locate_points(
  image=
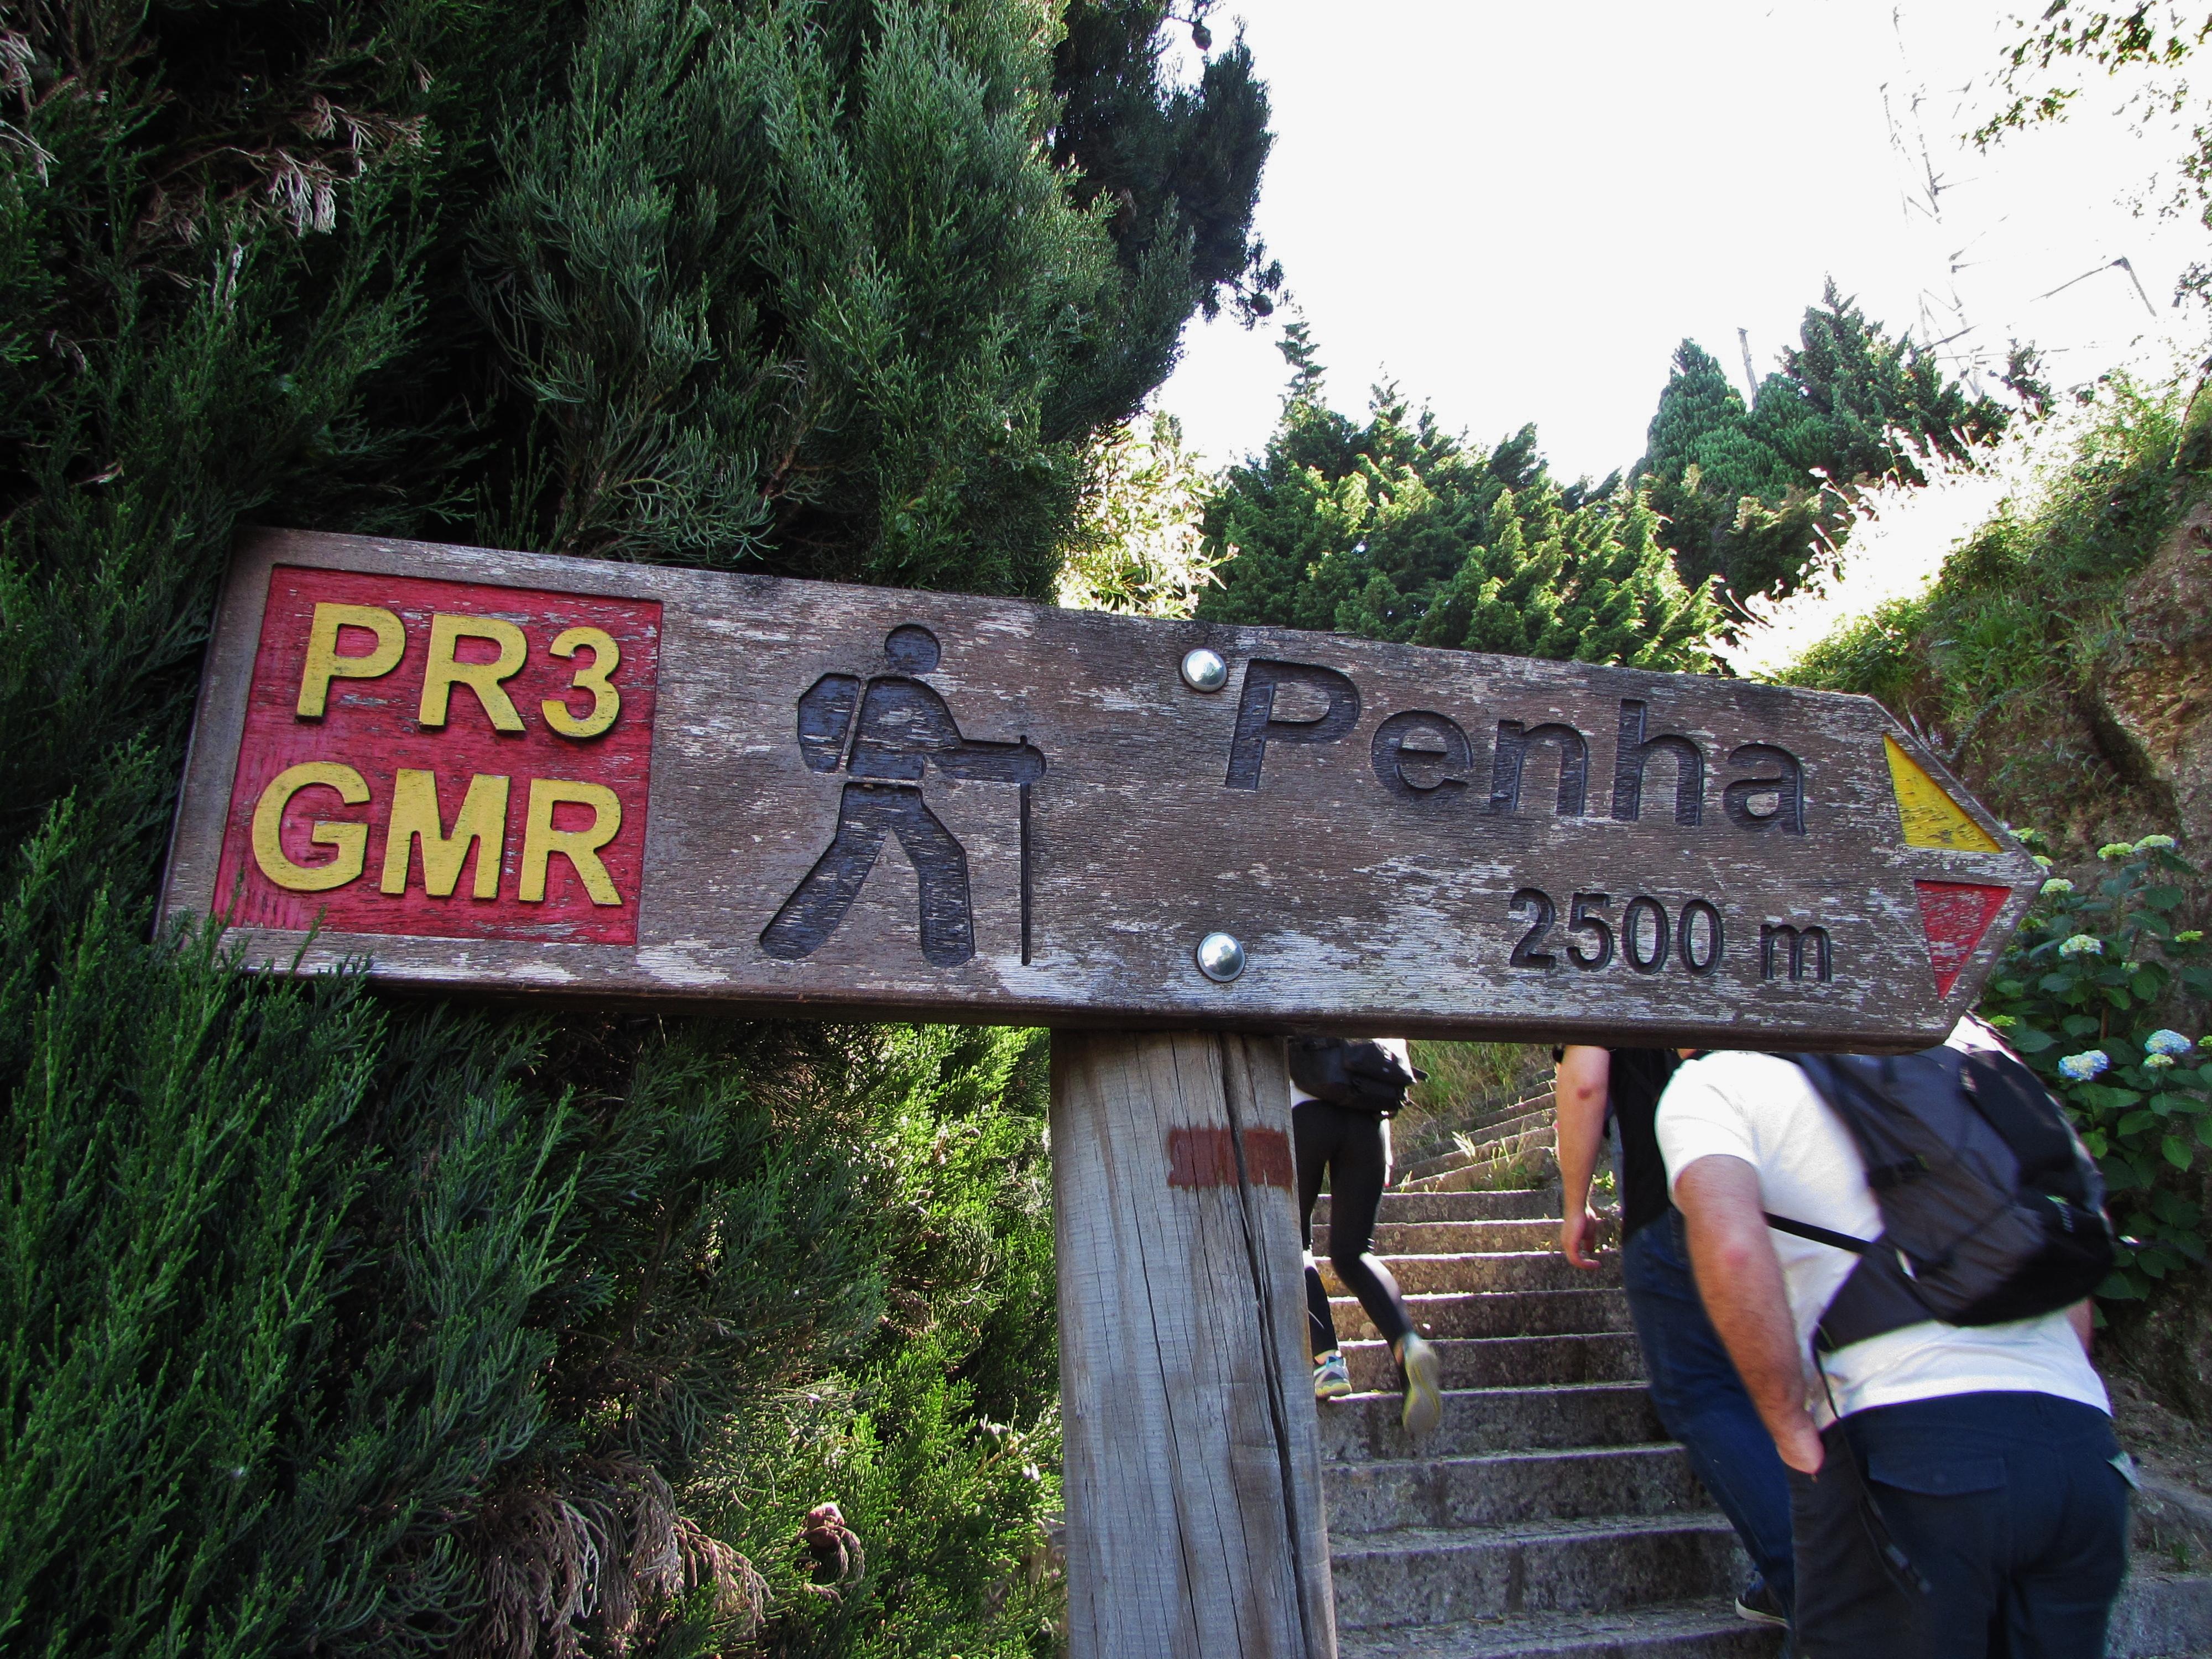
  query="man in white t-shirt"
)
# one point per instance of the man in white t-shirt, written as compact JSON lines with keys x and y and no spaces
{"x":1983,"y":1457}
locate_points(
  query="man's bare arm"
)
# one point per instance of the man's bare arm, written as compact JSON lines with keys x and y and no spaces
{"x":1740,"y":1279}
{"x":1579,"y":1087}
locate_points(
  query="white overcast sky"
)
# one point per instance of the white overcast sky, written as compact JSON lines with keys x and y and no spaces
{"x":1517,"y":211}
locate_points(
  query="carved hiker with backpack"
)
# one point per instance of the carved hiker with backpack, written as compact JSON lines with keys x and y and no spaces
{"x":1343,"y":1094}
{"x":1897,"y":1253}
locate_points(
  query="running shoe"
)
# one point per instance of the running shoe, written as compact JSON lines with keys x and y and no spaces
{"x":1424,"y":1400}
{"x":1760,"y":1604}
{"x":1331,"y":1380}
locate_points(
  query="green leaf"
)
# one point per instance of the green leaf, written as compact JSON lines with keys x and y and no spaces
{"x":2029,"y":1041}
{"x":2078,"y":1025}
{"x":2057,"y":984}
{"x":2163,"y":897}
{"x":2147,"y":984}
{"x":2178,"y":1152}
{"x":2204,"y":1130}
{"x":2118,"y":1288}
{"x":2136,"y":1122}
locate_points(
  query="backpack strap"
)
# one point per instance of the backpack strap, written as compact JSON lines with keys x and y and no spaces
{"x":1820,"y":1235}
{"x":1878,"y":1297}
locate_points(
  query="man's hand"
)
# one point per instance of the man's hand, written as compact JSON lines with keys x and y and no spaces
{"x":1799,"y":1441}
{"x":1578,"y":1232}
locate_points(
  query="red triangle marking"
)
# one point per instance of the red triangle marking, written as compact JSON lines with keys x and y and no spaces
{"x":1954,"y":916}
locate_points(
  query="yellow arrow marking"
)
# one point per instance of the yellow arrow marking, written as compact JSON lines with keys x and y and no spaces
{"x":1931,"y":818}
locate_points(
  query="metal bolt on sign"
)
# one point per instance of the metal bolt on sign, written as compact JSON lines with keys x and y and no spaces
{"x":1220,"y":957}
{"x":1204,"y":670}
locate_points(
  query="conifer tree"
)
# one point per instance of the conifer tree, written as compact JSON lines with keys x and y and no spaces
{"x":1396,"y":530}
{"x":348,"y":1326}
{"x":1749,"y":494}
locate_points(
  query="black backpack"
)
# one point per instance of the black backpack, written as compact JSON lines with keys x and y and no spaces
{"x":1992,"y":1208}
{"x":1357,"y":1073}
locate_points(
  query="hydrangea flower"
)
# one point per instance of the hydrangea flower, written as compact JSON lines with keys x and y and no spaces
{"x":2115,"y":849}
{"x":2082,"y":944}
{"x":2158,"y":1063}
{"x":2189,"y":936}
{"x":2082,"y":1066}
{"x":2040,"y":859}
{"x":2057,"y":884}
{"x":2168,"y":1042}
{"x":2162,"y":843}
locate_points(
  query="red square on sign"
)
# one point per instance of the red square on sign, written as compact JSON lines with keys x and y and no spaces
{"x":444,"y":758}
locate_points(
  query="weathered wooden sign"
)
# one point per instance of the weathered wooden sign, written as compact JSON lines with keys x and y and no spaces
{"x":589,"y":779}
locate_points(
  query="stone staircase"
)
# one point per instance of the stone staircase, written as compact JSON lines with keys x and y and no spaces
{"x":1548,"y":1518}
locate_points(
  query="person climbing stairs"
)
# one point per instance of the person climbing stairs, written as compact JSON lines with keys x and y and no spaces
{"x":1548,"y":1516}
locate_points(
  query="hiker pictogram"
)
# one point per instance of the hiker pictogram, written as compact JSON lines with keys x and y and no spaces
{"x":903,"y":729}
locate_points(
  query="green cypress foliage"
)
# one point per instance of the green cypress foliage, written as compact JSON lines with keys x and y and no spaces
{"x":1749,"y":494}
{"x":341,"y":1326}
{"x":1396,"y":530}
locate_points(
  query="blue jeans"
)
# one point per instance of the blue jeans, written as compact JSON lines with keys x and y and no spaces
{"x":2007,"y":1504}
{"x":1701,"y":1400}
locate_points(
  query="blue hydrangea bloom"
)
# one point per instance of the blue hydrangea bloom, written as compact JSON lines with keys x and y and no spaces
{"x":2082,"y":944}
{"x":2057,"y":884}
{"x":2083,"y":1066}
{"x":2167,"y":1042}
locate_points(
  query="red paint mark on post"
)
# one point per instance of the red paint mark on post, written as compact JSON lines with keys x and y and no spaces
{"x":1207,"y":1157}
{"x":449,"y":759}
{"x":1955,"y":915}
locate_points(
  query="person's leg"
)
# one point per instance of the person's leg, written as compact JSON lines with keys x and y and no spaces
{"x":1358,"y":1169}
{"x":940,"y":868}
{"x":2071,"y":1527}
{"x":817,"y":905}
{"x":1847,"y":1605}
{"x":1358,"y":1173}
{"x":1313,"y":1138}
{"x":1702,"y":1403}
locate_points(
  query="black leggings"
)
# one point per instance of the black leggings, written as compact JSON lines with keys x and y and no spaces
{"x":1348,"y":1146}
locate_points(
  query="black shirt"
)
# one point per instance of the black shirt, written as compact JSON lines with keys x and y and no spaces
{"x":1637,"y":1079}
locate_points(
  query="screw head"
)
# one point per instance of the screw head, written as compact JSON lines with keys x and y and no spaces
{"x":1204,"y":670}
{"x":1220,"y":957}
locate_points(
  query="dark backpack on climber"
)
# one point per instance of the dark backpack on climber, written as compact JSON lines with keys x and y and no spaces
{"x":1992,"y":1208}
{"x":1358,"y":1074}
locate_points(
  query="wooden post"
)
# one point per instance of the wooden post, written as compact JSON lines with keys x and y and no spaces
{"x":1193,"y":1476}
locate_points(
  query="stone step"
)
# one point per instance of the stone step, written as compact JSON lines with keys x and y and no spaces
{"x":1506,"y":1489}
{"x":1429,"y":1576}
{"x":1364,"y":1427}
{"x":1503,"y":1204}
{"x":1526,"y":1160}
{"x":1495,"y":1313}
{"x":1674,"y":1630}
{"x":1506,"y":1110}
{"x":1448,"y":1238}
{"x":2162,"y":1615}
{"x":1513,"y":1270}
{"x":1507,"y":1128}
{"x":1504,"y":1362}
{"x":1476,"y":1145}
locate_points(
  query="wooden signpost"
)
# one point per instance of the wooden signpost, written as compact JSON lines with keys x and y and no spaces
{"x":576,"y":779}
